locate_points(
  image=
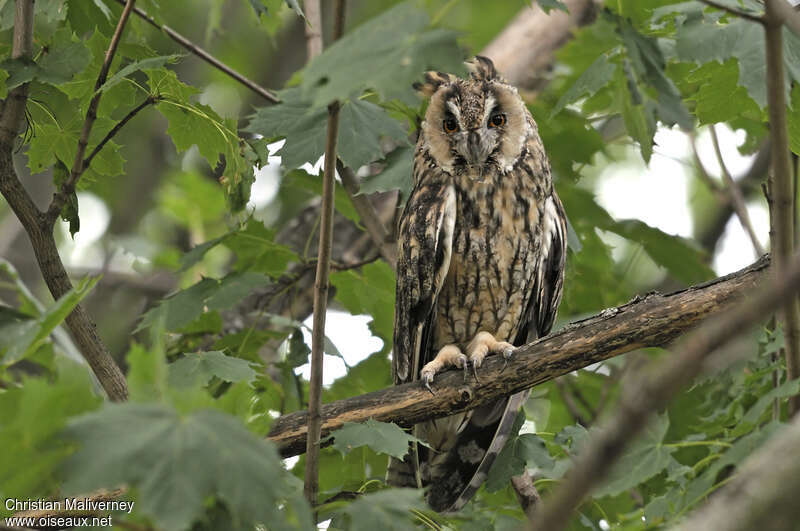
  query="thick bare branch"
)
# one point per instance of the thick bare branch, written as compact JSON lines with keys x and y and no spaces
{"x":782,"y":186}
{"x":649,"y":393}
{"x":650,"y":321}
{"x":763,"y":495}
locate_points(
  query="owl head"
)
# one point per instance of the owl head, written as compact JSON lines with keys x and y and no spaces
{"x":476,"y":126}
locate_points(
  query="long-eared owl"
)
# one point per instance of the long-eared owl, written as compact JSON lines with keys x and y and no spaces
{"x":482,"y":245}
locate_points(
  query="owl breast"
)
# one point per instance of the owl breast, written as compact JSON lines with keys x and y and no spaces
{"x":494,"y":255}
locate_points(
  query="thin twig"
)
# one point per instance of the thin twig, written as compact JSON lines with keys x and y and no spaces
{"x":782,"y":187}
{"x":702,"y":172}
{"x":13,"y":108}
{"x":737,"y":199}
{"x":321,"y":285}
{"x":649,"y":394}
{"x":68,"y":187}
{"x":205,"y":56}
{"x":152,"y":99}
{"x":732,"y":11}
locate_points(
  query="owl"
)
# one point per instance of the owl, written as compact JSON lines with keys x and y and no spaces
{"x":482,"y":246}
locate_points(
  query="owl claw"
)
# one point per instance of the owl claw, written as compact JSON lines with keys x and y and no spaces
{"x":427,"y":379}
{"x":507,"y":353}
{"x":475,"y":372}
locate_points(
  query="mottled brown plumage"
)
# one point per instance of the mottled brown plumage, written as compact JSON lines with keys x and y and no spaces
{"x":482,"y":245}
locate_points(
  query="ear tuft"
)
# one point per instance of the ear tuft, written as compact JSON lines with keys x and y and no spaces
{"x":482,"y":69}
{"x":433,"y":80}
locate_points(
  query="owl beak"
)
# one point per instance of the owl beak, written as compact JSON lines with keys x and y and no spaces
{"x":478,"y":148}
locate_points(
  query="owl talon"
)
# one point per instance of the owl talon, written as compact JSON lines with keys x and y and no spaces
{"x":508,"y":352}
{"x":475,"y":372}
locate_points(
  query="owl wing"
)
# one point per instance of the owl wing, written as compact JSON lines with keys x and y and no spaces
{"x":425,"y":246}
{"x":549,"y":281}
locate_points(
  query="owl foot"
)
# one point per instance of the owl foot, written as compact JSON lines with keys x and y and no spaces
{"x":481,"y":345}
{"x":448,"y":355}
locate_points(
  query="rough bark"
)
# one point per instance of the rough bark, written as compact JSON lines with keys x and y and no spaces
{"x":644,"y":322}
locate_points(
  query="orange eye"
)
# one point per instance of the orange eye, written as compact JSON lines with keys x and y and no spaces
{"x":450,"y":125}
{"x":498,"y":120}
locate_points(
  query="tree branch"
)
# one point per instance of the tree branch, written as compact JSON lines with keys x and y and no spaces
{"x":788,"y":15}
{"x":150,"y":100}
{"x":369,"y":216}
{"x":650,"y":321}
{"x":763,"y":495}
{"x":205,"y":56}
{"x":322,"y":280}
{"x":735,"y":193}
{"x":35,"y":222}
{"x":651,"y":393}
{"x":732,"y":11}
{"x":68,"y":187}
{"x":782,"y":187}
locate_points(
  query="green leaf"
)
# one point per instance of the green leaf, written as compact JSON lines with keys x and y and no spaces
{"x":638,"y":115}
{"x":705,"y":41}
{"x":200,"y":367}
{"x":33,"y":415}
{"x":677,"y":255}
{"x":64,"y":59}
{"x":718,"y":99}
{"x":597,"y":76}
{"x":396,"y":175}
{"x":387,"y":509}
{"x":643,"y":459}
{"x":361,"y":126}
{"x":370,"y":292}
{"x":312,"y":185}
{"x":182,"y":308}
{"x":256,"y":250}
{"x":549,"y":5}
{"x":176,"y":463}
{"x":649,"y":63}
{"x":382,"y":437}
{"x":144,"y":64}
{"x":22,"y":339}
{"x":754,"y":414}
{"x":386,"y":54}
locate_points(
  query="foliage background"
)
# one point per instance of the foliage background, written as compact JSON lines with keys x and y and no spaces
{"x":181,"y":241}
